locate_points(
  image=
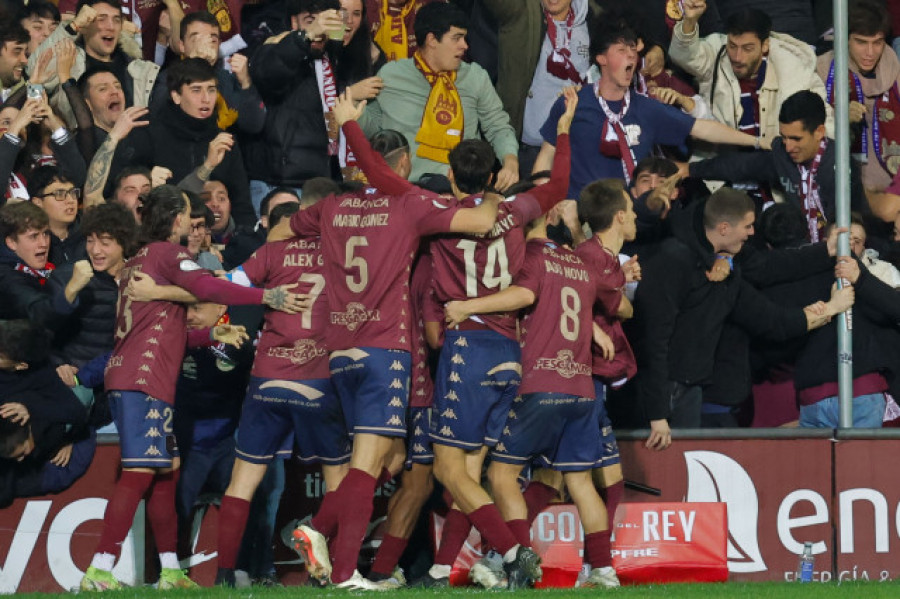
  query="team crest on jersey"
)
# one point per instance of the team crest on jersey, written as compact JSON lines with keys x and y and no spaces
{"x":189,"y":265}
{"x":564,"y":364}
{"x":355,"y":315}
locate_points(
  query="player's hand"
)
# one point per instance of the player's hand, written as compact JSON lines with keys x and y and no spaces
{"x":847,"y":268}
{"x":604,"y":342}
{"x":129,"y":119}
{"x":366,"y":89}
{"x":856,"y":111}
{"x":565,"y":120}
{"x":14,"y":412}
{"x":230,"y":334}
{"x":62,"y":457}
{"x":215,"y":154}
{"x":454,"y":313}
{"x":345,"y":109}
{"x":142,"y":288}
{"x":632,"y":269}
{"x":719,"y":271}
{"x":159,"y":175}
{"x":67,"y":374}
{"x":660,"y":435}
{"x":507,"y":175}
{"x":283,"y":299}
{"x":240,"y":66}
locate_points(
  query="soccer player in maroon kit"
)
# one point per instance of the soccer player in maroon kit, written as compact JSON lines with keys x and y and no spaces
{"x":291,"y":397}
{"x":555,"y":416}
{"x":478,"y":372}
{"x":369,"y":240}
{"x":141,"y":376}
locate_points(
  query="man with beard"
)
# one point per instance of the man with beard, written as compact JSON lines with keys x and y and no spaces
{"x":295,"y":77}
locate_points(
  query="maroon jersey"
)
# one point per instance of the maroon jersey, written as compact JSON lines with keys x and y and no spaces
{"x":477,"y":265}
{"x":556,"y":331}
{"x":421,"y":385}
{"x":369,"y":240}
{"x":151,"y":336}
{"x":612,"y":290}
{"x":292,"y":346}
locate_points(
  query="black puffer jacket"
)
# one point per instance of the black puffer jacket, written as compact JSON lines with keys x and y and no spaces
{"x":89,"y":325}
{"x":293,"y":145}
{"x":22,"y":295}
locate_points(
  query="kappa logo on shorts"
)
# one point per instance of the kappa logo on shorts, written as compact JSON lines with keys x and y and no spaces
{"x":144,"y":368}
{"x":149,"y":355}
{"x":394,"y":421}
{"x":418,"y":448}
{"x":449,"y":414}
{"x":152,"y":450}
{"x":457,"y":359}
{"x":511,"y":415}
{"x":418,"y":430}
{"x":396,"y":402}
{"x":446,"y":431}
{"x":355,"y":315}
{"x":152,"y":414}
{"x":501,"y":447}
{"x":506,"y":430}
{"x":451,"y":395}
{"x":564,"y":364}
{"x":397,"y":365}
{"x":461,"y":342}
{"x":454,"y":377}
{"x":153,"y":432}
{"x":141,"y":382}
{"x":395,"y":384}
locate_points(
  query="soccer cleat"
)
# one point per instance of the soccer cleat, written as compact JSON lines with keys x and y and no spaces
{"x":313,"y":548}
{"x":96,"y":579}
{"x":524,"y":570}
{"x":171,"y":579}
{"x":389,"y":582}
{"x":427,"y":581}
{"x":601,"y":578}
{"x":225,"y":578}
{"x":488,"y":572}
{"x":359,"y":583}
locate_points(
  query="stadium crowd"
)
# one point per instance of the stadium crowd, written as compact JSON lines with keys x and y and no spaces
{"x":427,"y":240}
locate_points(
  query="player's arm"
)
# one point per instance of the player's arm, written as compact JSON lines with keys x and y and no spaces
{"x":373,"y":165}
{"x":626,"y":309}
{"x":479,"y":220}
{"x":142,"y":288}
{"x":555,"y":189}
{"x":510,"y":299}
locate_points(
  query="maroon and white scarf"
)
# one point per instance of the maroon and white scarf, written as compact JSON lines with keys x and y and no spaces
{"x":328,"y":93}
{"x":812,"y":204}
{"x":559,"y":62}
{"x":613,"y":140}
{"x":39,"y":273}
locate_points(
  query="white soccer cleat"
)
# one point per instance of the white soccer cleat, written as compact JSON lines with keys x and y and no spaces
{"x":358,"y":582}
{"x":313,"y":548}
{"x":601,"y":578}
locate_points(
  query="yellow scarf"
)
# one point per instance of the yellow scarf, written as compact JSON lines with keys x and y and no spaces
{"x":392,"y":36}
{"x":225,"y":115}
{"x":442,"y":121}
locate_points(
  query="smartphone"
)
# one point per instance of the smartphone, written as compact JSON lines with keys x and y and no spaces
{"x":35,"y":90}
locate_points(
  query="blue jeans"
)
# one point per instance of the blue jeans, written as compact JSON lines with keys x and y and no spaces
{"x":868,"y":412}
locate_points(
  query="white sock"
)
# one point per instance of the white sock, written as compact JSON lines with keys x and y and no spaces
{"x":169,"y":561}
{"x":510,"y":556}
{"x":104,"y":561}
{"x":440,"y":571}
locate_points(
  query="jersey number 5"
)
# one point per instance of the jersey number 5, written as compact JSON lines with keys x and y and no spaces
{"x":358,"y":262}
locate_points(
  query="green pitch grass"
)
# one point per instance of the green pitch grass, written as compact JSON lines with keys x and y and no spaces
{"x":677,"y":591}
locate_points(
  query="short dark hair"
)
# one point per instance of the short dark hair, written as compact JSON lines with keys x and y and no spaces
{"x":85,"y":79}
{"x":12,"y":435}
{"x":600,"y":201}
{"x":128,"y":171}
{"x":114,"y":220}
{"x":314,"y":190}
{"x":112,"y":3}
{"x":187,"y":71}
{"x":868,"y":17}
{"x":804,"y":106}
{"x":295,"y":7}
{"x":437,"y":18}
{"x":199,"y":16}
{"x":726,"y":205}
{"x":282,"y":211}
{"x":43,"y":177}
{"x":390,"y":144}
{"x":14,"y":32}
{"x":783,"y":225}
{"x":655,"y":166}
{"x":19,"y":217}
{"x":749,"y":20}
{"x":200,"y":210}
{"x":158,"y":213}
{"x":608,"y":32}
{"x":41,"y":9}
{"x":24,"y":341}
{"x":472,"y":161}
{"x":282,"y":189}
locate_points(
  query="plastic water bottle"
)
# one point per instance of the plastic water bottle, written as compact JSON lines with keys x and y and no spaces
{"x":807,"y":562}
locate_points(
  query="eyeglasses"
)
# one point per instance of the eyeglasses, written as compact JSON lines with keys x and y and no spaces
{"x":60,"y":194}
{"x":198,"y":227}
